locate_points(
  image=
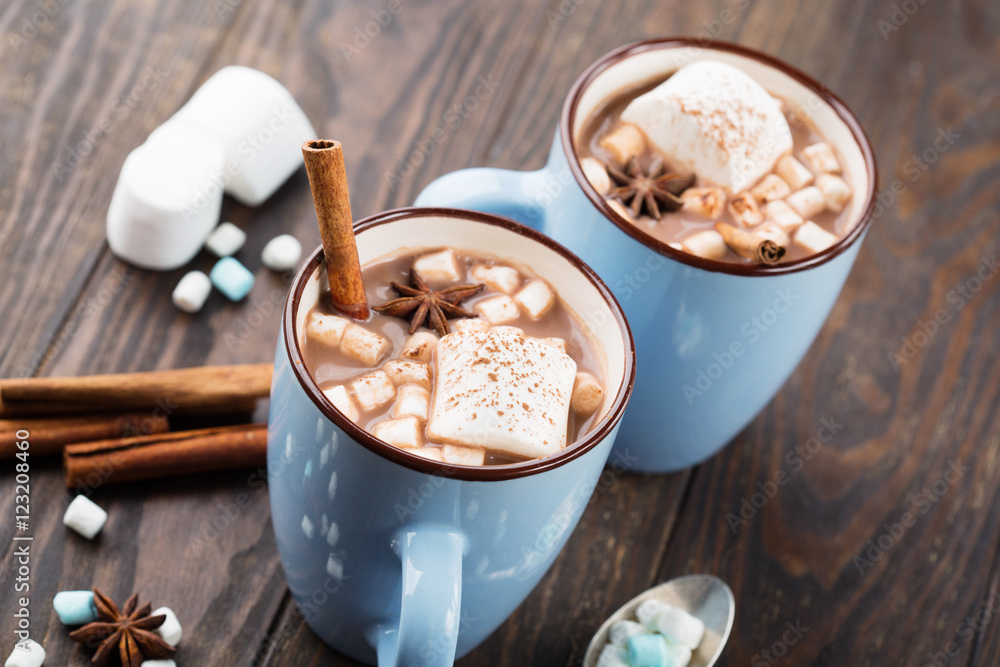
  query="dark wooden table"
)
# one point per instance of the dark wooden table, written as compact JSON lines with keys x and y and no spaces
{"x":83,"y":82}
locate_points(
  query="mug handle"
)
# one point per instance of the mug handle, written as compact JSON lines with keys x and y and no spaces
{"x":522,"y":195}
{"x":427,"y":633}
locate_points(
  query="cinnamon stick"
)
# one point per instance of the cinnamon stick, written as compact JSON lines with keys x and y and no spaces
{"x":763,"y":248}
{"x":49,"y":436}
{"x":158,"y":456}
{"x":204,"y":390}
{"x":328,"y":181}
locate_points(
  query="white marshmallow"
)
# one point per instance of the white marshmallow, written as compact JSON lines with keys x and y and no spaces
{"x":596,"y":174}
{"x":770,"y":188}
{"x":500,"y":390}
{"x":26,"y":654}
{"x":783,"y":215}
{"x":342,"y":401}
{"x":158,"y":663}
{"x":821,"y":158}
{"x":373,"y":390}
{"x":501,"y":278}
{"x":420,"y":346}
{"x":167,"y":199}
{"x":281,"y":253}
{"x":327,"y":329}
{"x":85,"y":517}
{"x":463,"y":456}
{"x":623,"y":142}
{"x":260,"y":126}
{"x":709,"y":202}
{"x":620,"y":209}
{"x":430,"y":452}
{"x":745,"y":210}
{"x":647,"y":611}
{"x":612,"y":656}
{"x":680,"y":627}
{"x":835,"y":191}
{"x":192,"y":291}
{"x":793,"y":172}
{"x":366,"y":346}
{"x":713,"y":119}
{"x":225,"y":240}
{"x":438,"y":267}
{"x":171,"y":630}
{"x":405,"y":371}
{"x":404,"y":432}
{"x":553,"y":341}
{"x":708,"y":244}
{"x":621,"y":631}
{"x":468,"y":324}
{"x":587,"y":394}
{"x":813,"y":238}
{"x":412,"y":401}
{"x":498,"y":309}
{"x":535,"y":298}
{"x":807,"y":202}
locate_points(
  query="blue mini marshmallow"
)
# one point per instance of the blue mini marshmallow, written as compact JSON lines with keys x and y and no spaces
{"x":231,"y":278}
{"x":648,"y":651}
{"x":75,"y":607}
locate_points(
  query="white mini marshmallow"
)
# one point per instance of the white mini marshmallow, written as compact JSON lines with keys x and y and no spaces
{"x":588,"y":394}
{"x":498,"y":309}
{"x":501,"y":278}
{"x":342,"y":401}
{"x":708,"y":202}
{"x":192,"y":291}
{"x":171,"y":630}
{"x":620,"y":209}
{"x":597,"y":175}
{"x":708,"y":244}
{"x":536,"y":298}
{"x":821,"y":158}
{"x":85,"y":517}
{"x":500,"y":390}
{"x":745,"y":210}
{"x":430,"y":452}
{"x":420,"y":346}
{"x":770,"y":188}
{"x":366,"y":346}
{"x":612,"y":656}
{"x":412,"y":401}
{"x":793,"y":172}
{"x":784,"y":215}
{"x":807,"y":202}
{"x":403,"y":432}
{"x":468,"y":324}
{"x":260,"y":126}
{"x":225,"y":240}
{"x":680,"y":627}
{"x":647,"y":611}
{"x":623,"y":142}
{"x":713,"y":119}
{"x":327,"y":329}
{"x":438,"y":267}
{"x":813,"y":238}
{"x":374,"y":390}
{"x":158,"y":663}
{"x":835,"y":191}
{"x":406,"y":371}
{"x":463,"y":456}
{"x":281,"y":253}
{"x":621,"y":631}
{"x":26,"y":654}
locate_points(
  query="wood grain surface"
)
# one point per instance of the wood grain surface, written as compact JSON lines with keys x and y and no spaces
{"x":873,"y":425}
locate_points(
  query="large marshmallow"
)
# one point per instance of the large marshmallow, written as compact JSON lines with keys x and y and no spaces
{"x":716,"y":121}
{"x":500,"y":390}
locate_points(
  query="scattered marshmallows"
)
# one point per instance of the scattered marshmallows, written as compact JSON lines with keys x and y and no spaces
{"x":28,"y":653}
{"x":171,"y":630}
{"x":661,"y":636}
{"x":192,"y":292}
{"x":85,"y":517}
{"x":225,"y":240}
{"x":281,"y":253}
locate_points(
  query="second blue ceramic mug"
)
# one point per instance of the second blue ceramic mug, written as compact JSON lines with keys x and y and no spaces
{"x":715,"y":340}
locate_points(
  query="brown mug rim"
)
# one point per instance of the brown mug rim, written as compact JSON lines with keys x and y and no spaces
{"x":568,"y":116}
{"x":574,"y":450}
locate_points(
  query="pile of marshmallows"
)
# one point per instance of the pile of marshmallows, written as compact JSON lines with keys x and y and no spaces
{"x":240,"y":134}
{"x":661,"y":636}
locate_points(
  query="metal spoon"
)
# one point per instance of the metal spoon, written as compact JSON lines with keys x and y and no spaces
{"x":701,"y":595}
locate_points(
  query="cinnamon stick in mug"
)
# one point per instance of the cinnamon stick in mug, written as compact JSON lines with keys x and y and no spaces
{"x":764,"y":246}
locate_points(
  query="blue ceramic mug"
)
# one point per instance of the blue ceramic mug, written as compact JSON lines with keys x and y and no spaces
{"x":400,"y":559}
{"x":715,"y":340}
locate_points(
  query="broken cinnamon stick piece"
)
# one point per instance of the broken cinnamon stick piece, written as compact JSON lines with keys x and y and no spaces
{"x":50,"y":435}
{"x":761,"y":248}
{"x":328,"y":181}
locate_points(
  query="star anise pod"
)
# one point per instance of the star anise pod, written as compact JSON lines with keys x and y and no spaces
{"x":656,"y":189}
{"x":420,"y":303}
{"x":128,"y":629}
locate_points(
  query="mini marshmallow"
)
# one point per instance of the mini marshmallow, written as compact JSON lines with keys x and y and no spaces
{"x":612,"y":656}
{"x":171,"y":630}
{"x":501,"y":278}
{"x":412,"y":401}
{"x":807,"y":202}
{"x":75,"y":607}
{"x":821,"y":158}
{"x":770,"y":188}
{"x":231,"y":278}
{"x":468,"y":324}
{"x":328,"y":329}
{"x":225,"y":240}
{"x":430,"y":452}
{"x":596,"y":174}
{"x":708,"y":244}
{"x":623,"y":142}
{"x":536,"y":298}
{"x":363,"y":345}
{"x":553,"y":341}
{"x":342,"y":401}
{"x":463,"y":456}
{"x":648,"y":651}
{"x":622,"y":630}
{"x":647,"y":611}
{"x":498,"y":309}
{"x":404,"y":371}
{"x":680,"y":627}
{"x":620,"y":209}
{"x":374,"y":390}
{"x":158,"y":663}
{"x":85,"y":517}
{"x":784,"y":215}
{"x":813,"y":238}
{"x":191,"y":292}
{"x":835,"y":191}
{"x":745,"y":210}
{"x":26,"y":654}
{"x":709,"y":202}
{"x":281,"y":253}
{"x":438,"y":267}
{"x":587,"y":394}
{"x":404,"y":432}
{"x":420,"y":346}
{"x":793,"y":172}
